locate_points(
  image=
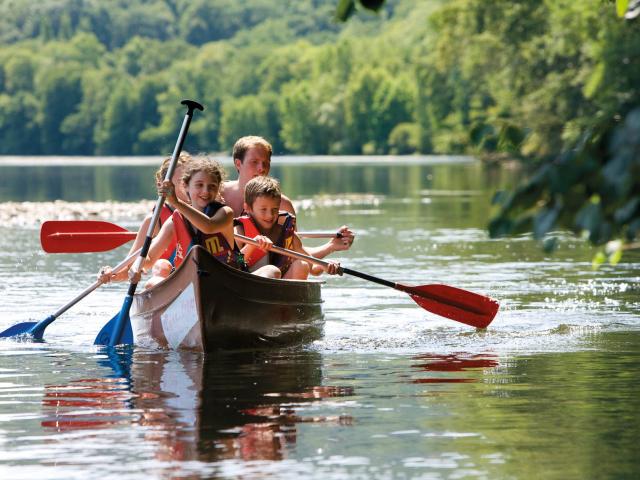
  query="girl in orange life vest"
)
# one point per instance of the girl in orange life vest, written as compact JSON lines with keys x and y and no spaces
{"x":266,"y":224}
{"x":106,"y":274}
{"x":204,"y":221}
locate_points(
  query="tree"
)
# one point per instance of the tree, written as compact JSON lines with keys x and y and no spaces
{"x":19,"y":72}
{"x":242,"y":116}
{"x":19,"y":131}
{"x":59,"y":93}
{"x":119,"y":129}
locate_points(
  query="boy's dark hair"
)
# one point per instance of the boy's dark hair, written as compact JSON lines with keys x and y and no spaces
{"x":245,"y":143}
{"x":261,"y":187}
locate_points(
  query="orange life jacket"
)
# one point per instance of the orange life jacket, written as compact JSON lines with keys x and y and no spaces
{"x":165,"y":214}
{"x":285,"y":241}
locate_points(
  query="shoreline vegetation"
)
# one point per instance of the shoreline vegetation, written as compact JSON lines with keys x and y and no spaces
{"x":457,"y":77}
{"x":551,"y":83}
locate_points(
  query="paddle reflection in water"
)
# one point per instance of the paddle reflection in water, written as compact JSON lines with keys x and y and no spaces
{"x":231,"y":405}
{"x":454,"y":362}
{"x":92,"y":402}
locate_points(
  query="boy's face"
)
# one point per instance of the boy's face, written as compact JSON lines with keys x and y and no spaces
{"x":256,"y":163}
{"x":264,"y":211}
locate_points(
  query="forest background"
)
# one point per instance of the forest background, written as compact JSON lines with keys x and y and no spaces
{"x":554,"y":83}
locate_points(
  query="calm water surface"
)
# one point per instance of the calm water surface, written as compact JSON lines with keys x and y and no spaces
{"x":549,"y":390}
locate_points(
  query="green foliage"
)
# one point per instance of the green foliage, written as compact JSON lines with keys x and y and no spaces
{"x":404,"y":139}
{"x":552,"y":83}
{"x":346,"y":8}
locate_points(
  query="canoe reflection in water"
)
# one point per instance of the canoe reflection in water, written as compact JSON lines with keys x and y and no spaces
{"x":231,"y":405}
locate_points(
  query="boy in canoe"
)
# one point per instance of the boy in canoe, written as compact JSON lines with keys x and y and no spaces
{"x":252,"y":158}
{"x":106,"y":273}
{"x":266,"y":223}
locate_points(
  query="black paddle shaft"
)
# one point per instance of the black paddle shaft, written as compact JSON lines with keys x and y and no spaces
{"x":371,"y":278}
{"x":191,"y":106}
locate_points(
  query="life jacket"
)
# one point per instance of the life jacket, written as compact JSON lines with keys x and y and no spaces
{"x":285,"y":241}
{"x":187,"y":236}
{"x":165,"y":214}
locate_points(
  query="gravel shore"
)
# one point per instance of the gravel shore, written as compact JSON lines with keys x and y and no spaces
{"x":33,"y":214}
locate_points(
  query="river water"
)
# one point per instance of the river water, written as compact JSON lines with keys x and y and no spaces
{"x":549,"y":390}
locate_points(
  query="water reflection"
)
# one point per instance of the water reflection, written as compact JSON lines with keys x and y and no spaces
{"x":231,"y":405}
{"x":453,"y":362}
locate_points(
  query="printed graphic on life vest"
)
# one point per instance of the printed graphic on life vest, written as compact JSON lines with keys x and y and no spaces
{"x":213,"y":245}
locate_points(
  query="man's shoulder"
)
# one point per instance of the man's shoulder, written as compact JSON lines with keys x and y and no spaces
{"x":287,"y":205}
{"x":231,"y":185}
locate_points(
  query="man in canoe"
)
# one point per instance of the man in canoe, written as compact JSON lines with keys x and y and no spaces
{"x":252,"y":158}
{"x":266,"y":223}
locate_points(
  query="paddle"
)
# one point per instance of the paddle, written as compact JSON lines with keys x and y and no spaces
{"x":76,"y":236}
{"x":449,"y":302}
{"x":36,"y":329}
{"x":119,"y":333}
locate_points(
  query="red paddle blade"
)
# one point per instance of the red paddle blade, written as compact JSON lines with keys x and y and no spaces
{"x":454,"y":303}
{"x":77,"y":236}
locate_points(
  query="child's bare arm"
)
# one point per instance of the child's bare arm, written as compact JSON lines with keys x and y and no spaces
{"x":160,"y":243}
{"x":221,"y":220}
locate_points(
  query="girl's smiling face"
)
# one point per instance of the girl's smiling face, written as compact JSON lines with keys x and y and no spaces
{"x":202,"y":190}
{"x":264,"y":211}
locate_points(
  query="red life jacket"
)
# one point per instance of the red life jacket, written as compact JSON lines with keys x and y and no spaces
{"x":285,"y":241}
{"x":165,"y":214}
{"x":216,"y":244}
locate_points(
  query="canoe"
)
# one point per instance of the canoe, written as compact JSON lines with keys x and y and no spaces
{"x":206,"y":305}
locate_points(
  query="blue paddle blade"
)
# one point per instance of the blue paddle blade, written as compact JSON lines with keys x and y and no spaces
{"x":118,"y":330}
{"x":38,"y":330}
{"x":23,"y":328}
{"x":104,"y":337}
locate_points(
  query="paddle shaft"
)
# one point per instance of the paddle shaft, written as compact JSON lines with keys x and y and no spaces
{"x":78,"y":236}
{"x":96,"y":284}
{"x":123,"y":318}
{"x":439,"y":296}
{"x":36,"y":329}
{"x":320,"y":234}
{"x":317,"y":261}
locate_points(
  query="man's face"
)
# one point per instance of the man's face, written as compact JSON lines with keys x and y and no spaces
{"x":256,"y":163}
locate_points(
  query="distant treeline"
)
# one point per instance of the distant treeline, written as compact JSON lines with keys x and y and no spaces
{"x":105,"y":77}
